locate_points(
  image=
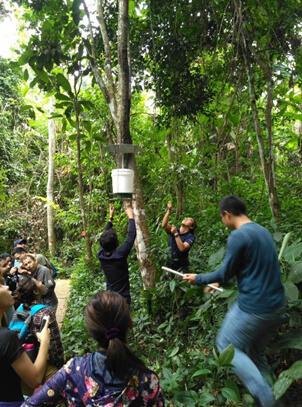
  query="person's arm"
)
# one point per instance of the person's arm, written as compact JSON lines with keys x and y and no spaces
{"x":230,"y":266}
{"x":46,"y":278}
{"x":33,"y":373}
{"x":165,"y":225}
{"x":182,"y":246}
{"x":51,"y":392}
{"x":110,"y":220}
{"x":125,"y":248}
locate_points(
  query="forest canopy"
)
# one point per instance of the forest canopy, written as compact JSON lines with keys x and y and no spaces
{"x":211,"y":93}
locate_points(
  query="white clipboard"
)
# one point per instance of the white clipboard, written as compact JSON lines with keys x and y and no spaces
{"x":181,"y":274}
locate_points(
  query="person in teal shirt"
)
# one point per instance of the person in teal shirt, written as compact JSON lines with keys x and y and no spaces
{"x":251,"y":257}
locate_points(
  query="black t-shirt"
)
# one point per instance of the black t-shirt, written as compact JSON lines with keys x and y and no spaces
{"x":115,"y":264}
{"x":10,"y":350}
{"x":180,"y":259}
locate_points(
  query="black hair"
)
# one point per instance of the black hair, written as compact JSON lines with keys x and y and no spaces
{"x":108,"y":312}
{"x":29,"y":256}
{"x":232,"y":204}
{"x":25,"y":292}
{"x":109,"y":240}
{"x":194,"y":226}
{"x":19,"y":250}
{"x":4,"y":256}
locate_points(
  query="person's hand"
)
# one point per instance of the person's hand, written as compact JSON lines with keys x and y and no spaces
{"x":111,"y":211}
{"x":169,"y":205}
{"x":24,"y":271}
{"x":211,"y":290}
{"x":129,"y":211}
{"x":174,"y":229}
{"x":190,"y":278}
{"x":44,"y":335}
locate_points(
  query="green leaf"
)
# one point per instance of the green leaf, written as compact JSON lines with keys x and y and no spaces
{"x":295,"y":274}
{"x":230,"y":394}
{"x":226,"y":356}
{"x":61,"y":96}
{"x":217,"y":257}
{"x":24,"y":58}
{"x":292,"y":252}
{"x":25,"y":75}
{"x":205,"y":399}
{"x":173,"y":352}
{"x":284,"y":244}
{"x":62,"y":81}
{"x":43,"y":76}
{"x":201,"y":372}
{"x":291,"y":291}
{"x":287,"y":377}
{"x":187,"y":398}
{"x":277,"y":236}
{"x":172,"y":285}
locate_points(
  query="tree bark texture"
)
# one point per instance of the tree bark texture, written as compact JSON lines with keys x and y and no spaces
{"x":50,"y":182}
{"x":119,"y":102}
{"x":266,"y":155}
{"x":80,"y":179}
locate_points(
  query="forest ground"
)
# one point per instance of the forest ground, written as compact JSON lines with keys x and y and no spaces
{"x":62,"y":291}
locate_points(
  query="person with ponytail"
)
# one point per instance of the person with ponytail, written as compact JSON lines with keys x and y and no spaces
{"x":29,"y":294}
{"x":112,"y":376}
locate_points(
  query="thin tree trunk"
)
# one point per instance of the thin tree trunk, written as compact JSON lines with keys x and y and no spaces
{"x":119,"y":102}
{"x":80,"y":177}
{"x":50,"y":183}
{"x":266,"y":162}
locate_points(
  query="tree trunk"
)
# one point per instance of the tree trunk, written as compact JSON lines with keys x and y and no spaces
{"x":50,"y":183}
{"x":119,"y":102}
{"x":267,"y":161}
{"x":80,"y":177}
{"x":177,"y":178}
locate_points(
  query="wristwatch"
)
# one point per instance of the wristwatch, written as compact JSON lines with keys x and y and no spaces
{"x":111,"y":218}
{"x":176,"y":234}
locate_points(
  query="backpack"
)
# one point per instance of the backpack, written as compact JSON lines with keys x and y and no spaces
{"x":52,"y":268}
{"x":21,"y":323}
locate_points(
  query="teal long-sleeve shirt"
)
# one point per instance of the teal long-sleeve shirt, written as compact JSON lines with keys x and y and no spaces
{"x":251,"y":257}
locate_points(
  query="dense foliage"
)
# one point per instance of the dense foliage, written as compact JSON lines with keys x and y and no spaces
{"x":192,"y":115}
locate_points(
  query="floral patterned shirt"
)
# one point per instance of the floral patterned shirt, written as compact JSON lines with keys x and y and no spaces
{"x":81,"y":386}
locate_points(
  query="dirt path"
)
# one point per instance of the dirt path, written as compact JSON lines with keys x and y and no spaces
{"x":62,"y":291}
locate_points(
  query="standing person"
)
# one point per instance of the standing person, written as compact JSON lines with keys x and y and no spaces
{"x":113,"y":258}
{"x":31,"y":267}
{"x":111,"y":376}
{"x":181,"y":240}
{"x":14,"y":362}
{"x":251,"y":257}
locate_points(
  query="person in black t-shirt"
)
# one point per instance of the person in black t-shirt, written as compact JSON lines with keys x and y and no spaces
{"x":14,"y":361}
{"x":181,"y":240}
{"x":114,"y":259}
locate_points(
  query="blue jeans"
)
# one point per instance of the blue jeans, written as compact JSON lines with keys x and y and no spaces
{"x":250,"y":333}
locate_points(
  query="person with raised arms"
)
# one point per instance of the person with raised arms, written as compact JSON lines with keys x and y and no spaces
{"x":181,"y":240}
